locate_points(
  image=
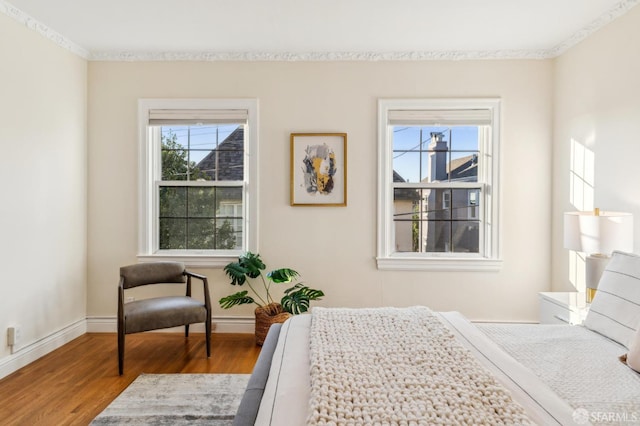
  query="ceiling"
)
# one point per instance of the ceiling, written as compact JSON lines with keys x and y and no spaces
{"x":298,"y":29}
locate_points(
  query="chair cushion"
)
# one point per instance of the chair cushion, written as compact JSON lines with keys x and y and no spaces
{"x":152,"y":273}
{"x":162,"y":312}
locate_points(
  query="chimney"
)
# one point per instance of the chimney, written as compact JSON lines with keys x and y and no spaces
{"x":438,"y":157}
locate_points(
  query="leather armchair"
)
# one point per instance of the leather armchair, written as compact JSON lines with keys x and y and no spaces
{"x":160,"y":312}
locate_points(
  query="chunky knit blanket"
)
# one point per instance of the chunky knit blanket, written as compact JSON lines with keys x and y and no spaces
{"x":393,"y":366}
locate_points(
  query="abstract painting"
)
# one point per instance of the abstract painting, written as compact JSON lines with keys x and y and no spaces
{"x":318,"y":169}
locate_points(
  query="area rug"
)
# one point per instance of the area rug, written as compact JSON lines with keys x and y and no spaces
{"x":177,"y":399}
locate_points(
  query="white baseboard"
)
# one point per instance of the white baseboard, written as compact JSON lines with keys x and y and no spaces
{"x":222,"y":324}
{"x":27,"y":354}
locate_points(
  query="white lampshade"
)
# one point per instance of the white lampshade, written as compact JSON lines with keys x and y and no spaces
{"x":602,"y":234}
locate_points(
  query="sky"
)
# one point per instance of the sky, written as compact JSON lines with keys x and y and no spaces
{"x":462,"y":141}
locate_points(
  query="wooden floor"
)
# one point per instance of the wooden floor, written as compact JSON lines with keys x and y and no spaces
{"x":73,"y":384}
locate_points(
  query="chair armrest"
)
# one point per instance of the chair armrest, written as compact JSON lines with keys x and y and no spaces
{"x":205,"y":285}
{"x":194,"y":275}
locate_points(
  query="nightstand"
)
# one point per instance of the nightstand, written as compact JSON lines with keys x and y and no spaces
{"x":562,"y":307}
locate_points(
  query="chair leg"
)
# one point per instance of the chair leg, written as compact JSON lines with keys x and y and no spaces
{"x":120,"y":351}
{"x":207,"y":326}
{"x":186,"y":330}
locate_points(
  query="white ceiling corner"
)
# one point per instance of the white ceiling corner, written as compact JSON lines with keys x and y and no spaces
{"x":308,"y":30}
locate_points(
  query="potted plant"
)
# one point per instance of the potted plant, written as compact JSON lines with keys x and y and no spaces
{"x":295,"y":301}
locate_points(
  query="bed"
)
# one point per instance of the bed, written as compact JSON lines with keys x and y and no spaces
{"x":517,"y":373}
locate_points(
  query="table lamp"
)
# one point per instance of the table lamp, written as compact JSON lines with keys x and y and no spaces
{"x":597,"y":234}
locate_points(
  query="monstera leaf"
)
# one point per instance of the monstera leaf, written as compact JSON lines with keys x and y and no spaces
{"x":297,"y":298}
{"x":282,"y":275}
{"x":240,"y":298}
{"x":236,"y":272}
{"x":252,"y":264}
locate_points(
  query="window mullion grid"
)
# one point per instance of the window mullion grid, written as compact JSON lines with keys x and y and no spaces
{"x":450,"y":186}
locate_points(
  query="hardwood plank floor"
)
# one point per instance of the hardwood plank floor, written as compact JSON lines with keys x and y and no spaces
{"x":73,"y":384}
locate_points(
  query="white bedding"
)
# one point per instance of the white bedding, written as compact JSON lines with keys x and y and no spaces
{"x":581,"y":366}
{"x":285,"y":400}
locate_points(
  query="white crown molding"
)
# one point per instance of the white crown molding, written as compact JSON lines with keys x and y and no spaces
{"x":316,"y":56}
{"x":618,"y":10}
{"x":42,"y":29}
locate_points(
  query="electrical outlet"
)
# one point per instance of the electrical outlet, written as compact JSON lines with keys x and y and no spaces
{"x":14,"y":335}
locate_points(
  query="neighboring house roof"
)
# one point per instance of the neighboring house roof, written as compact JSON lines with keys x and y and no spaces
{"x":463,"y":168}
{"x":230,"y":156}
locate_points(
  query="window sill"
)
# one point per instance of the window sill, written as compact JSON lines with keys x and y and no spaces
{"x":191,"y":260}
{"x":439,"y":264}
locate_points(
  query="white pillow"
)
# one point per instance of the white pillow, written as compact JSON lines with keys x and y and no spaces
{"x":615,"y":310}
{"x":633,"y":356}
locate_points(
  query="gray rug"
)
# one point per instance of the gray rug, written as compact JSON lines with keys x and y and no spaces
{"x":177,"y":399}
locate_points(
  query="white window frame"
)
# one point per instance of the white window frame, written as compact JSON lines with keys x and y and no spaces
{"x":148,"y":169}
{"x":489,"y":258}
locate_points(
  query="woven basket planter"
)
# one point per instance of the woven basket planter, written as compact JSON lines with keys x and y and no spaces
{"x":267,"y":315}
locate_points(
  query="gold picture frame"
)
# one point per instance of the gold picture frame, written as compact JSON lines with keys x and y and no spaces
{"x":319,"y":169}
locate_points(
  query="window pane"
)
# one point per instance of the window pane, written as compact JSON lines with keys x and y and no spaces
{"x":173,"y":201}
{"x":466,"y":237}
{"x":173,"y":234}
{"x":407,"y":233}
{"x":209,"y":152}
{"x":201,"y":234}
{"x":229,"y":234}
{"x":230,"y":218}
{"x":464,"y":138}
{"x":438,"y":236}
{"x":226,"y":197}
{"x":406,"y":138}
{"x":202,"y":202}
{"x":466,"y":203}
{"x":408,"y":166}
{"x":225,"y":161}
{"x":463,"y":167}
{"x":175,"y":162}
{"x":406,"y":219}
{"x":437,"y":204}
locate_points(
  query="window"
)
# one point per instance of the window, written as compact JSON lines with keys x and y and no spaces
{"x":198,"y":193}
{"x":438,"y":184}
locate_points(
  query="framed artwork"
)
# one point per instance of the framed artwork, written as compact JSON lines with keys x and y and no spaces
{"x":319,"y":169}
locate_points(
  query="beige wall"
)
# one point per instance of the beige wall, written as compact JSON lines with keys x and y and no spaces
{"x":43,"y":232}
{"x":333,"y":248}
{"x":597,"y":105}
